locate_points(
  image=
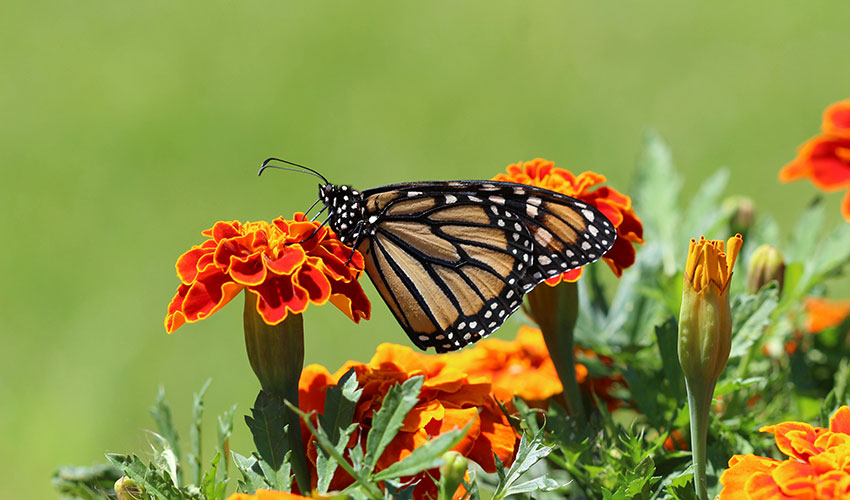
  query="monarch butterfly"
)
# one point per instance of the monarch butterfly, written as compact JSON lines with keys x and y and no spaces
{"x":453,"y":259}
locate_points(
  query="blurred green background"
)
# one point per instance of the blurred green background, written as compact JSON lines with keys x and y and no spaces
{"x":127,"y":128}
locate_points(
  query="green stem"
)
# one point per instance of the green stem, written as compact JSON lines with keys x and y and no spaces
{"x":555,"y":310}
{"x":276,"y":354}
{"x":700,"y":394}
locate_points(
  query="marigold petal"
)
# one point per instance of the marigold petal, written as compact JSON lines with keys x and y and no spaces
{"x":836,"y":119}
{"x":312,"y":386}
{"x":292,"y":257}
{"x":278,"y":296}
{"x":795,"y":479}
{"x":315,"y":283}
{"x":795,"y":439}
{"x":761,"y":486}
{"x":840,"y":421}
{"x":741,"y":468}
{"x":824,"y":313}
{"x":190,"y":263}
{"x":845,"y":206}
{"x":496,"y":438}
{"x":200,"y":299}
{"x":350,"y":298}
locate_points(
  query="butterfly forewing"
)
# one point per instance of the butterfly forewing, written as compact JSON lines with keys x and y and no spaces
{"x":454,"y":259}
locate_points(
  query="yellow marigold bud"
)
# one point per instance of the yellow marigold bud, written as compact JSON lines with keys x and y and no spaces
{"x":452,"y":473}
{"x":766,"y":265}
{"x":705,"y":335}
{"x":705,"y":321}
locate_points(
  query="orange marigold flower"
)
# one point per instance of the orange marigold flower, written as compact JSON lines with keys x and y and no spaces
{"x":450,"y":398}
{"x":823,"y":313}
{"x":523,"y":368}
{"x":266,"y":495}
{"x":277,"y":262}
{"x":818,"y":467}
{"x":616,"y":206}
{"x":825,"y":158}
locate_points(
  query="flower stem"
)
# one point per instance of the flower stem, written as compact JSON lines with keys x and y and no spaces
{"x":276,"y":354}
{"x":699,"y":406}
{"x":555,"y":310}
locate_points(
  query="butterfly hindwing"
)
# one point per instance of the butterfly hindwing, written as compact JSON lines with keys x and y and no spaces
{"x":454,"y":259}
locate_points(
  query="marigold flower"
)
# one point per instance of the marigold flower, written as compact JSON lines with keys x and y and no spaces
{"x":616,"y":206}
{"x":450,"y":398}
{"x":822,"y":313}
{"x":523,"y":368}
{"x":278,"y":261}
{"x":818,"y":465}
{"x":825,"y":158}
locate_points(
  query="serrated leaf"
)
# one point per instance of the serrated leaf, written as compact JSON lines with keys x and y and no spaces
{"x":528,"y":454}
{"x":655,"y":197}
{"x":161,"y":413}
{"x":750,"y":316}
{"x":400,"y":399}
{"x":340,"y":403}
{"x":267,"y":428}
{"x":88,"y":483}
{"x":251,"y":480}
{"x":155,"y":482}
{"x":279,"y":479}
{"x":543,"y":483}
{"x":425,"y":456}
{"x":193,"y":458}
{"x":211,"y":487}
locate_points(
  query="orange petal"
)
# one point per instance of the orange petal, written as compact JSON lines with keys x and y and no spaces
{"x":200,"y":299}
{"x":290,"y":259}
{"x":761,"y":486}
{"x":795,"y":439}
{"x":840,"y":421}
{"x":836,"y":119}
{"x":422,"y":414}
{"x":795,"y":479}
{"x":741,"y":469}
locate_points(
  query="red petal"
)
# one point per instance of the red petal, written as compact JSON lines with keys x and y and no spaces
{"x":315,"y":283}
{"x":836,"y":119}
{"x":292,"y":257}
{"x":277,"y":295}
{"x":350,"y":298}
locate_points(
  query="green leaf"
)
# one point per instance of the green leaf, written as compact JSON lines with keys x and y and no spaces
{"x":251,"y":480}
{"x":161,"y":413}
{"x":279,"y":479}
{"x":211,"y":487}
{"x":194,"y":457}
{"x":702,"y":212}
{"x":225,"y":429}
{"x":542,"y":483}
{"x":750,"y":316}
{"x":400,"y":399}
{"x":267,"y":428}
{"x":88,"y":483}
{"x":528,"y":454}
{"x":424,"y":457}
{"x":154,"y":481}
{"x":728,"y":386}
{"x":340,"y":403}
{"x":655,"y":198}
{"x":804,"y":237}
{"x":667,"y":335}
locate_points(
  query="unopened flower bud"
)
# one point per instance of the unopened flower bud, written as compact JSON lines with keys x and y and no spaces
{"x":705,"y":336}
{"x":766,"y":265}
{"x":452,"y":473}
{"x":742,"y":213}
{"x":127,"y":489}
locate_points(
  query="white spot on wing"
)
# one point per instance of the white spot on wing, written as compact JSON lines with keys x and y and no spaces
{"x":451,"y":198}
{"x":588,"y":214}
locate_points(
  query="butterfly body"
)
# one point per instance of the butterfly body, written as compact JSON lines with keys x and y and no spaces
{"x":454,"y":259}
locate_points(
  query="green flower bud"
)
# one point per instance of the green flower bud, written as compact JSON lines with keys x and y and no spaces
{"x":705,"y":336}
{"x":452,"y":473}
{"x":766,"y":265}
{"x":127,"y":489}
{"x":742,"y":213}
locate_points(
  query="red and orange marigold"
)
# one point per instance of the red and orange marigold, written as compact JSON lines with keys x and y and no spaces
{"x":822,"y":313}
{"x":616,"y":206}
{"x":825,"y":158}
{"x":280,"y":262}
{"x":450,"y":398}
{"x":818,"y":467}
{"x":523,"y":368}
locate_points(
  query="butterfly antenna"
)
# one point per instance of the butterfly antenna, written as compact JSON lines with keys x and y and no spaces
{"x":301,"y":168}
{"x":311,"y":207}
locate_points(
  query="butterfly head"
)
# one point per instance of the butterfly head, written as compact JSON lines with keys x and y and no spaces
{"x":346,"y":210}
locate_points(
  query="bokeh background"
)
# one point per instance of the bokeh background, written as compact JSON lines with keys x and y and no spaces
{"x":129,"y":127}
